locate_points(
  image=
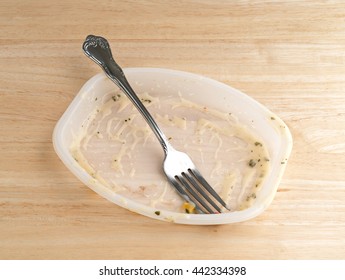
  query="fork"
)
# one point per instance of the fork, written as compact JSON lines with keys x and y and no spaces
{"x":178,"y":167}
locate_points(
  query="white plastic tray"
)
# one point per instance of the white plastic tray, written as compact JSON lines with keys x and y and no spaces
{"x":271,"y":129}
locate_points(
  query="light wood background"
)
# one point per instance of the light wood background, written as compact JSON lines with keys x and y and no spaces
{"x":288,"y":55}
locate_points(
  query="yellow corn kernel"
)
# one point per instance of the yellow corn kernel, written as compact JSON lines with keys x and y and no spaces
{"x":188,"y":207}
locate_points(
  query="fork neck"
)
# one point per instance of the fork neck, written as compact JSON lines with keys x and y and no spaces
{"x":124,"y":85}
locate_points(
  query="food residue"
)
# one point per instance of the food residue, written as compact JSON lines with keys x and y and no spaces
{"x":117,"y":148}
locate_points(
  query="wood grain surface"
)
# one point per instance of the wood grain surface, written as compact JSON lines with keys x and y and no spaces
{"x":288,"y":55}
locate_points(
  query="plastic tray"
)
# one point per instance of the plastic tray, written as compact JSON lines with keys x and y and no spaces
{"x":271,"y":129}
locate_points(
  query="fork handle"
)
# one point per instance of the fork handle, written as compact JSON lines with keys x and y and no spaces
{"x":97,"y":48}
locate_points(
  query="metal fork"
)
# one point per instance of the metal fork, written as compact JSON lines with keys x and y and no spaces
{"x":178,"y":167}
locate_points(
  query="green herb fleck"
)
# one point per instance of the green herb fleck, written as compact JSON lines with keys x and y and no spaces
{"x":252,"y":196}
{"x":116,"y":97}
{"x":258,"y":144}
{"x":252,"y":163}
{"x":146,"y":100}
{"x":158,"y":213}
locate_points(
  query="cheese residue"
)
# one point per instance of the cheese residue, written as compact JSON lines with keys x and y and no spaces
{"x":117,"y":148}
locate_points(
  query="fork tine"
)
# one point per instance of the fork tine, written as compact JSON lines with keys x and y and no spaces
{"x":184,"y":194}
{"x":201,"y":191}
{"x":207,"y":186}
{"x":195,"y":195}
{"x":179,"y":188}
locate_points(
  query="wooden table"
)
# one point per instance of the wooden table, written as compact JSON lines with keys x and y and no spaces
{"x":290,"y":56}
